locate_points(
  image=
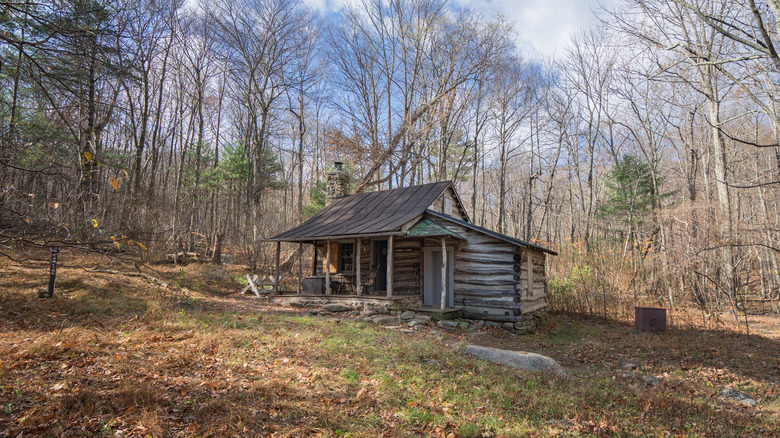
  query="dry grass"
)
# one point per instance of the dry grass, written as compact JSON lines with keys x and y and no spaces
{"x":112,"y":355}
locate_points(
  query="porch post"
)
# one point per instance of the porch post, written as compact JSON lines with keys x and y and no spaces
{"x":314,"y":260}
{"x":327,"y":267}
{"x":390,"y":266}
{"x":300,"y":267}
{"x":357,"y":266}
{"x":443,"y":273}
{"x":276,"y":274}
{"x":530,"y":269}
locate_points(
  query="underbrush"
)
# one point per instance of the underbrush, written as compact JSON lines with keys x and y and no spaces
{"x":115,"y":356}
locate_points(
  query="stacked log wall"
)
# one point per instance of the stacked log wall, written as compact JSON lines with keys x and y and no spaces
{"x":491,"y":279}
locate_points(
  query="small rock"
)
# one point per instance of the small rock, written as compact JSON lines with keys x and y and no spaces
{"x":407,"y":315}
{"x":651,"y":381}
{"x":418,"y":327}
{"x":450,"y":324}
{"x":626,"y":374}
{"x":420,"y":321}
{"x":43,"y":293}
{"x":382,"y":310}
{"x":508,"y":325}
{"x":368,"y":314}
{"x":492,"y":324}
{"x":415,"y":323}
{"x":406,"y":330}
{"x":738,"y":396}
{"x":463,"y":325}
{"x":520,"y":331}
{"x":425,"y":318}
{"x":478,"y":334}
{"x":628,"y":364}
{"x":336,"y":307}
{"x":314,"y":312}
{"x":432,"y":362}
{"x":562,"y":423}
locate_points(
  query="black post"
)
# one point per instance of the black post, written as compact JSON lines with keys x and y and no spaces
{"x":53,"y":269}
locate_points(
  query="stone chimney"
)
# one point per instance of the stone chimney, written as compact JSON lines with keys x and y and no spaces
{"x":338,"y":183}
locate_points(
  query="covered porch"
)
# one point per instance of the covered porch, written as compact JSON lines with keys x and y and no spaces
{"x":396,"y":265}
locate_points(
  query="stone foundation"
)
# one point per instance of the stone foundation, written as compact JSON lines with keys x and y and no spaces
{"x":379,"y":305}
{"x":530,"y":322}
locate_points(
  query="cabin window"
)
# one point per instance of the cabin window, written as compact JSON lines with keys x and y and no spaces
{"x":346,"y":257}
{"x":447,"y":205}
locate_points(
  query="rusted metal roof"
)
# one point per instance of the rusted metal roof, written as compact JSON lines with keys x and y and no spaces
{"x":371,"y":213}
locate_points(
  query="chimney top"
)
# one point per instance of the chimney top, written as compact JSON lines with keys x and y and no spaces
{"x":338,"y":183}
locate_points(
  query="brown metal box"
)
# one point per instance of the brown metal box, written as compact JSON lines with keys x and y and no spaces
{"x":650,"y":319}
{"x":313,"y":285}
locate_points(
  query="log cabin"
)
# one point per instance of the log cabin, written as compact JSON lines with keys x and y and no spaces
{"x":415,"y":247}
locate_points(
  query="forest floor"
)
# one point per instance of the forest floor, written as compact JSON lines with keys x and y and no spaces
{"x":118,"y":355}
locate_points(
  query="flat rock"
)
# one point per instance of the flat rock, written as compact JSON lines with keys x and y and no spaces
{"x":628,"y":364}
{"x":406,"y":331}
{"x":626,"y":374}
{"x":450,"y":324}
{"x":407,"y":315}
{"x":738,"y":396}
{"x":336,"y":307}
{"x":382,"y":319}
{"x":518,"y":359}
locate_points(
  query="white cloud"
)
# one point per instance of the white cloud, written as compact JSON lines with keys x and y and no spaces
{"x":543,"y":26}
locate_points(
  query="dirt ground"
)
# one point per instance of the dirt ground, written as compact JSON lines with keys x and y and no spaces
{"x":119,"y":354}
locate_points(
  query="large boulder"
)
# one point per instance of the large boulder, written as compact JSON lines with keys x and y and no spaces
{"x":518,"y":359}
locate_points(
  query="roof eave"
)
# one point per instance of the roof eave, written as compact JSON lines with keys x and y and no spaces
{"x":313,"y":239}
{"x":492,"y":233}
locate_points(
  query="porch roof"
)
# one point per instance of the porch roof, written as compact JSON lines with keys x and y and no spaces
{"x":427,"y":227}
{"x":380,"y":213}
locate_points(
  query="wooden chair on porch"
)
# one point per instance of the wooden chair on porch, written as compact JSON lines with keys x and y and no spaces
{"x":368,"y":284}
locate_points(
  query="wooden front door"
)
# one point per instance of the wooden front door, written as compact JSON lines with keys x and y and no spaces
{"x":432,"y":287}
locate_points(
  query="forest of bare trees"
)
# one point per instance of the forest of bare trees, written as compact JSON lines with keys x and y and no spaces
{"x":646,"y":153}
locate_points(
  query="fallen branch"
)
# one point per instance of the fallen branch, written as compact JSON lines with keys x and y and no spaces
{"x":131,"y":274}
